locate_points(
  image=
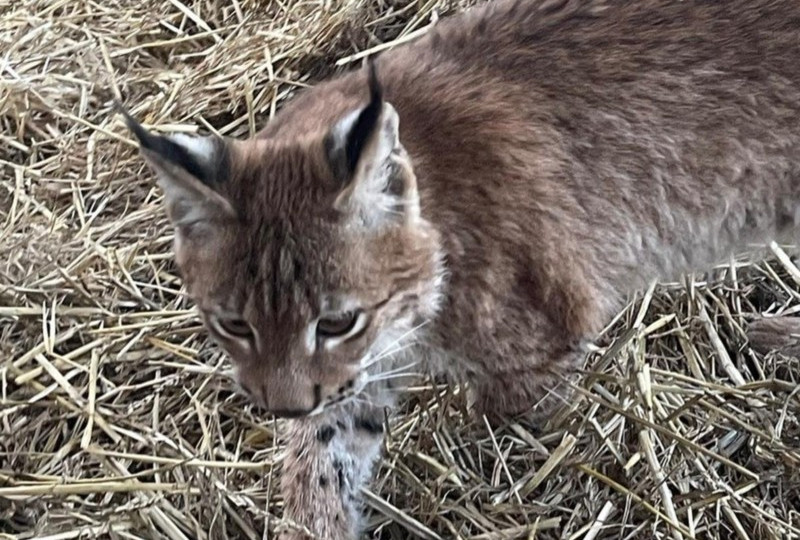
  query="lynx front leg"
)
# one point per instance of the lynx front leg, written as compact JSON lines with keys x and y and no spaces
{"x":329,"y":458}
{"x":533,"y":391}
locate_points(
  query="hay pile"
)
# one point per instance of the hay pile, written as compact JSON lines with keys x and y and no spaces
{"x":118,"y":420}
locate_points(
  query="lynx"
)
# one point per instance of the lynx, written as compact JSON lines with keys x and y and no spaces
{"x":478,"y":202}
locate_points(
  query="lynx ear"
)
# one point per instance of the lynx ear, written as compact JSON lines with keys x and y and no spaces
{"x":190,"y":170}
{"x":366,"y":156}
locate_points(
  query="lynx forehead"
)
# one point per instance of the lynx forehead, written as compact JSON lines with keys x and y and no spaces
{"x":486,"y":195}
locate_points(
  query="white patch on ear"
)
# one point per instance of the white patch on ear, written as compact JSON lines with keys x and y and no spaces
{"x":341,"y":130}
{"x":199,"y":147}
{"x":187,"y":168}
{"x":376,"y":150}
{"x":372,"y":191}
{"x":189,"y":201}
{"x":379,"y":149}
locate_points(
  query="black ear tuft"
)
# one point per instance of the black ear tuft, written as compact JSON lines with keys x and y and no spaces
{"x":367,"y":120}
{"x":167,"y":149}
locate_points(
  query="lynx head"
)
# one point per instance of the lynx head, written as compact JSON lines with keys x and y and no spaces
{"x":304,"y":250}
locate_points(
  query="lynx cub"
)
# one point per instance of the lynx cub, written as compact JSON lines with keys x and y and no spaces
{"x":479,"y":201}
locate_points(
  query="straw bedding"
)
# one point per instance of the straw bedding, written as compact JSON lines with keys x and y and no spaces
{"x":118,"y":419}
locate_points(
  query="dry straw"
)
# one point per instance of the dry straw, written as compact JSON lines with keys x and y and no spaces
{"x":118,"y":420}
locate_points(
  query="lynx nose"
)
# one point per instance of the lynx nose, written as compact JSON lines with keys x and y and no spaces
{"x":285,"y":412}
{"x":285,"y":400}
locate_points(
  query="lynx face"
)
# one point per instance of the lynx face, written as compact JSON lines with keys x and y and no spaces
{"x":307,"y":258}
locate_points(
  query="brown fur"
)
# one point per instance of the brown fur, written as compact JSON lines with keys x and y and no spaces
{"x":553,"y":156}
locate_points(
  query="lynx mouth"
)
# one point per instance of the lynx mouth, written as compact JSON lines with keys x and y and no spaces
{"x":260,"y":402}
{"x":292,"y":414}
{"x":344,"y":394}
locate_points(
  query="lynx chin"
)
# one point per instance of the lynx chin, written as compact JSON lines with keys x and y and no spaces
{"x":478,"y":202}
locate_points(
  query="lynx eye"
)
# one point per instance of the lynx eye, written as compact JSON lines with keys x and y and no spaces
{"x":340,"y":324}
{"x":232,"y":327}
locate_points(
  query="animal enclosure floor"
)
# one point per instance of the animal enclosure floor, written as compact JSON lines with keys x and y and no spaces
{"x":118,"y":419}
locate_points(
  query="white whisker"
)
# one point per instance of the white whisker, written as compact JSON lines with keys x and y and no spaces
{"x":382,"y":378}
{"x":394,"y":347}
{"x":406,"y":334}
{"x":403,"y":371}
{"x":386,"y":354}
{"x":397,"y":369}
{"x":362,"y":401}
